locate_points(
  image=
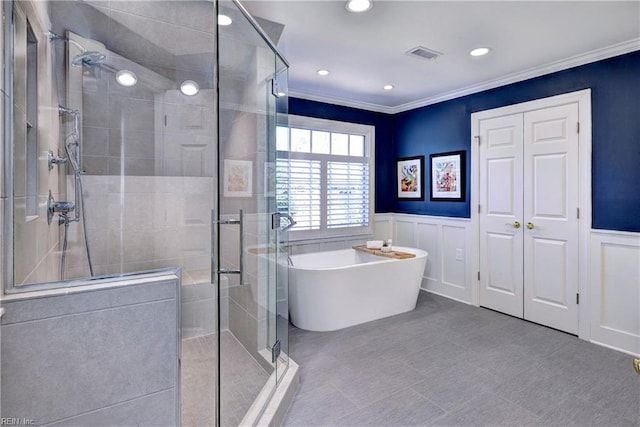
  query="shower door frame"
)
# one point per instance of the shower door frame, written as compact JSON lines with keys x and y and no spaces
{"x":6,"y":190}
{"x":253,"y":413}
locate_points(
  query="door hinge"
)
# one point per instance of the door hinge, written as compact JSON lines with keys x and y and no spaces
{"x":577,"y":298}
{"x":478,"y":275}
{"x":165,"y":120}
{"x":478,"y":207}
{"x":578,"y":213}
{"x":274,"y":88}
{"x":477,"y":137}
{"x":578,"y":127}
{"x":275,"y":351}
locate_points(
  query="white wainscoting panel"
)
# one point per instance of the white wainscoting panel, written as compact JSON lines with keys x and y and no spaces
{"x":615,"y":290}
{"x":447,"y":240}
{"x":453,"y":255}
{"x":383,"y":226}
{"x":612,"y":294}
{"x":405,"y":232}
{"x":427,"y":239}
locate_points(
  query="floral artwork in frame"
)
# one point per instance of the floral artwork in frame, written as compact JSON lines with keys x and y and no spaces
{"x":448,"y":176}
{"x":238,"y":178}
{"x":410,"y":178}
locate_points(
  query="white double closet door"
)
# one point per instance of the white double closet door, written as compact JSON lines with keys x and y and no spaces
{"x":529,"y":169}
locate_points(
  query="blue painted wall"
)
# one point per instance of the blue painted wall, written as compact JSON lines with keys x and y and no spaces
{"x":446,"y":126}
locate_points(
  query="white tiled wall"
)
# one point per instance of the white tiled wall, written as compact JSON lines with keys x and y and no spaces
{"x":36,"y":256}
{"x":124,"y":369}
{"x":144,"y":222}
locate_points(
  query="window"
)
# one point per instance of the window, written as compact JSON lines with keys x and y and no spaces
{"x":324,"y":175}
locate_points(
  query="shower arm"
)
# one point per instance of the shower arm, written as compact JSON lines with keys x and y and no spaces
{"x":55,"y":37}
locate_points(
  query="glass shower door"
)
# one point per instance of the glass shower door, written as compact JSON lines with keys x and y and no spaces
{"x":249,"y":233}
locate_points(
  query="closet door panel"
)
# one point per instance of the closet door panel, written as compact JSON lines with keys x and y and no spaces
{"x":501,"y":183}
{"x":550,"y":216}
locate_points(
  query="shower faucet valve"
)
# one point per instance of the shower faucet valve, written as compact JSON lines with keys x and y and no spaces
{"x":53,"y":207}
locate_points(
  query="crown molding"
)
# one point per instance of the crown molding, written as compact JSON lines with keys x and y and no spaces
{"x":342,"y":102}
{"x":552,"y":67}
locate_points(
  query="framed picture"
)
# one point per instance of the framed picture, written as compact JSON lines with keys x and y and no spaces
{"x":238,"y":178}
{"x":448,"y":176}
{"x":269,"y":179}
{"x":410,"y":178}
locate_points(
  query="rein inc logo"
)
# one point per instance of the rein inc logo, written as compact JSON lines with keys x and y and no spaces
{"x":5,"y":421}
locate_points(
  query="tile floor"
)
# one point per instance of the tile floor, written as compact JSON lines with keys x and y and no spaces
{"x":449,"y":364}
{"x":242,"y":380}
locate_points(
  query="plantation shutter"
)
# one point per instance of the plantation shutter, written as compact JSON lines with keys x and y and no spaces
{"x":347,"y":194}
{"x":298,"y":191}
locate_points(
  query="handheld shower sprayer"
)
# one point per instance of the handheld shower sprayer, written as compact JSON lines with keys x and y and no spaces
{"x":74,"y":137}
{"x":64,"y":209}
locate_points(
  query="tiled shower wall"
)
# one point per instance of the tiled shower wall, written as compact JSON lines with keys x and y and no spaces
{"x":36,"y":251}
{"x":123,"y":371}
{"x":142,"y":223}
{"x":137,"y":223}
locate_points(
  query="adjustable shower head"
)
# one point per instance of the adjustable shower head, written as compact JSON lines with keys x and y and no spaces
{"x":88,"y":58}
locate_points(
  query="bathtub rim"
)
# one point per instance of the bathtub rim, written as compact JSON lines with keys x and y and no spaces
{"x":419,"y":253}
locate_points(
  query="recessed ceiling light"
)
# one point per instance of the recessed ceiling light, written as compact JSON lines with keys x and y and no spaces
{"x":224,"y":20}
{"x":359,"y":5}
{"x":323,"y":72}
{"x":387,"y":87}
{"x":479,"y":51}
{"x":126,"y":78}
{"x":189,"y":87}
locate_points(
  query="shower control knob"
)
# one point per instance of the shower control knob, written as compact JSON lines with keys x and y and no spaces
{"x":53,"y":207}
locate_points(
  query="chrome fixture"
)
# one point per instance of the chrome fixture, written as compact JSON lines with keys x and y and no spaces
{"x":276,"y":220}
{"x":216,"y":227}
{"x":89,"y":58}
{"x":72,"y":150}
{"x":53,"y":160}
{"x":86,"y":58}
{"x":61,"y":208}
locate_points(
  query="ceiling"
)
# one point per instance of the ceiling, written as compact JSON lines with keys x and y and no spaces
{"x":366,"y":51}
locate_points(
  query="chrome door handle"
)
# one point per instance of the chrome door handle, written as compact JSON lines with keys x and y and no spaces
{"x":215,"y":224}
{"x":530,"y":226}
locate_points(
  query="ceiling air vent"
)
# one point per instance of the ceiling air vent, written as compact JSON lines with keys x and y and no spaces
{"x":423,"y":53}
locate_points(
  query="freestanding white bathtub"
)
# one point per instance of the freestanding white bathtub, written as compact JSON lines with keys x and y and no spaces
{"x":336,"y":289}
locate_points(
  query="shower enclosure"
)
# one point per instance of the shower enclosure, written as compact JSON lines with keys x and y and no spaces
{"x":139,"y":137}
